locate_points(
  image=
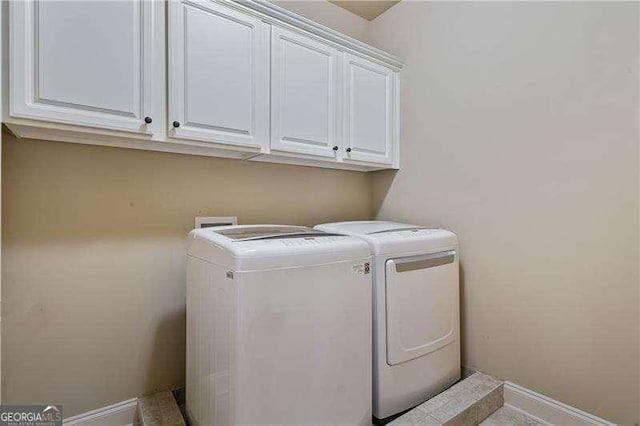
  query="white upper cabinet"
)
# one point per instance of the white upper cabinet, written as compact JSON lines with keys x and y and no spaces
{"x":304,"y":94}
{"x":218,"y":74}
{"x":369,"y":111}
{"x":242,"y":79}
{"x":87,"y":63}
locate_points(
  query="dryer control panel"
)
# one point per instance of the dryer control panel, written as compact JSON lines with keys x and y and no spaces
{"x":407,"y":233}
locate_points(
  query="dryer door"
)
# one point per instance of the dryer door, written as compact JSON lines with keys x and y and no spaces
{"x":422,"y":304}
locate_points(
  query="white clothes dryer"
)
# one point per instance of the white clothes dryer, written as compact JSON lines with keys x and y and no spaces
{"x":416,"y":325}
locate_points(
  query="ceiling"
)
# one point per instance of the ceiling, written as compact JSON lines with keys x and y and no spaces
{"x":366,"y":8}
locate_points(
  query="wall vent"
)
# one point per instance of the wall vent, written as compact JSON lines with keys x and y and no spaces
{"x":208,"y":222}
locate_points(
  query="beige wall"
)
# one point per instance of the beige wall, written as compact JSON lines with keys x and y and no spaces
{"x":520,"y":133}
{"x":330,"y":15}
{"x":93,"y":250}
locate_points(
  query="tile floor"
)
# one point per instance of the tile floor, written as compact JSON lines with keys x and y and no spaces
{"x":468,"y":402}
{"x":513,"y":417}
{"x":159,"y":410}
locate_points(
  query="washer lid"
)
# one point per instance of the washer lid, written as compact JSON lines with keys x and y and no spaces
{"x":251,"y":247}
{"x":261,"y":232}
{"x":393,"y":237}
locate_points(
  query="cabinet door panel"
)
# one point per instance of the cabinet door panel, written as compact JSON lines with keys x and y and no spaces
{"x":218,"y":74}
{"x":369,"y":110}
{"x":304,"y":102}
{"x":87,"y":63}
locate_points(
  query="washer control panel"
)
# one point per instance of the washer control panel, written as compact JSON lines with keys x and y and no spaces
{"x":306,"y":241}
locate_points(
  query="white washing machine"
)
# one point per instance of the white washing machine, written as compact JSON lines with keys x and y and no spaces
{"x":416,"y":311}
{"x":278,"y":327}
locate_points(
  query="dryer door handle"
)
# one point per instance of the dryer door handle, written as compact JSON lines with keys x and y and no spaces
{"x":416,"y":263}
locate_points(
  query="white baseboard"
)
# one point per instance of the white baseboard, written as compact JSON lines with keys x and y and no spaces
{"x":535,"y":404}
{"x":119,"y":414}
{"x":547,"y":409}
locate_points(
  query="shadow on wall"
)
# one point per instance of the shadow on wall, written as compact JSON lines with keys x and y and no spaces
{"x":90,"y":193}
{"x":166,"y":352}
{"x":381,"y":183}
{"x":463,"y":334}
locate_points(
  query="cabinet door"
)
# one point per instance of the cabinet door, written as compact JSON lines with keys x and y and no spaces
{"x":304,"y":101}
{"x":218,"y":74}
{"x":369,"y":111}
{"x":88,"y":63}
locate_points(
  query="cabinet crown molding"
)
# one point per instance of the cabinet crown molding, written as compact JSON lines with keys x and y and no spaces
{"x":283,"y":15}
